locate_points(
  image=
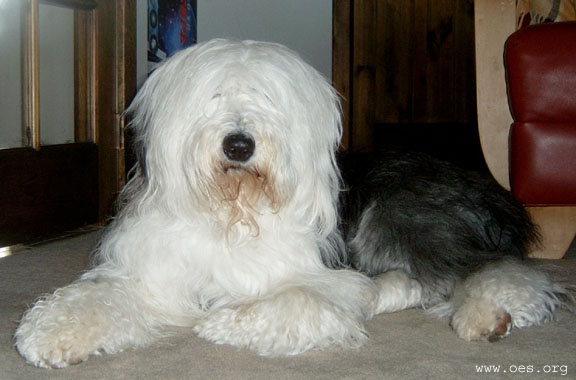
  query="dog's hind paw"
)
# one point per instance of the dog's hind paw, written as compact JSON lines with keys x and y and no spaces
{"x":502,"y":328}
{"x":473,"y":323}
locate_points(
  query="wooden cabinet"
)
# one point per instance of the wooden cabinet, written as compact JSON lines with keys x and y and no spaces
{"x":406,"y":71}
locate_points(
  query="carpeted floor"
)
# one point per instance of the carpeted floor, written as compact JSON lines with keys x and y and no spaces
{"x":405,"y":345}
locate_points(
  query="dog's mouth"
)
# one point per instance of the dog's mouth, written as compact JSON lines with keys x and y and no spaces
{"x":243,"y":188}
{"x":234,"y":168}
{"x":226,"y":167}
{"x":239,"y":174}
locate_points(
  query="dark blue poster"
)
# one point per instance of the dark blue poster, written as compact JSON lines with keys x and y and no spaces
{"x":171,"y":27}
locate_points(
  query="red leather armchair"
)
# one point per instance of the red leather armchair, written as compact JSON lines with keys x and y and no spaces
{"x":540,"y":63}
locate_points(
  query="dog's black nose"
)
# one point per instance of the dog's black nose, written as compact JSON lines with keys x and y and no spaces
{"x":238,"y":146}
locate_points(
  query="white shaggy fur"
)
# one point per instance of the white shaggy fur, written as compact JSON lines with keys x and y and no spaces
{"x":233,"y":249}
{"x":397,"y":292}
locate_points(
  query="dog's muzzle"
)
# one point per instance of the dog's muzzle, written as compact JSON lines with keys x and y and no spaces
{"x":238,"y":147}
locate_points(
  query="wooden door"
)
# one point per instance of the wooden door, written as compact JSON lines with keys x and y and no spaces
{"x":406,"y":70}
{"x":50,"y":185}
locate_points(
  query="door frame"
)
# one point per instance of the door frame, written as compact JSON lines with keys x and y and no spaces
{"x":115,"y":76}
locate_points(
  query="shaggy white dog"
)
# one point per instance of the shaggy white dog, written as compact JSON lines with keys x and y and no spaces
{"x":226,"y":224}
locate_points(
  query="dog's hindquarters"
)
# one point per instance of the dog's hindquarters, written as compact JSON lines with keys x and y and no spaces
{"x":432,"y":220}
{"x":428,"y":232}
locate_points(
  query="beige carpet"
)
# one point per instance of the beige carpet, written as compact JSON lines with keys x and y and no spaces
{"x":405,"y":345}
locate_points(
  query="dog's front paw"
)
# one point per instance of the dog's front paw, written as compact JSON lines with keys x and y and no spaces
{"x":52,"y":350}
{"x":82,"y":319}
{"x":218,"y":327}
{"x":245,"y":326}
{"x":477,"y":322}
{"x":62,"y":329}
{"x":287,"y":323}
{"x":50,"y":341}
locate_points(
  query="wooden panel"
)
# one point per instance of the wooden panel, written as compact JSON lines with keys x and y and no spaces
{"x":84,"y":119}
{"x":116,"y":85}
{"x":465,"y":63}
{"x":38,"y":199}
{"x":31,"y":76}
{"x":425,"y":61}
{"x":341,"y":56}
{"x":126,"y":47}
{"x":419,"y":64}
{"x":434,"y":99}
{"x":395,"y":56}
{"x":412,"y":64}
{"x":363,"y":75}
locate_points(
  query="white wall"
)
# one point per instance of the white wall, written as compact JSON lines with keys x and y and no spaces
{"x":56,"y":58}
{"x":10,"y":75}
{"x":303,"y":25}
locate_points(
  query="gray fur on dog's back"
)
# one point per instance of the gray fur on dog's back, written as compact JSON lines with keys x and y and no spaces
{"x":433,"y":220}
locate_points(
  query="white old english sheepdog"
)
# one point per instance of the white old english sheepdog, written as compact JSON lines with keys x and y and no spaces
{"x":230,"y":226}
{"x":226,"y":225}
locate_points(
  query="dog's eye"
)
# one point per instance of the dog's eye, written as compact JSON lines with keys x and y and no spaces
{"x":216,"y":95}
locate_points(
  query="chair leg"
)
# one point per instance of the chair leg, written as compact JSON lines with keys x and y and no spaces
{"x":557,"y":227}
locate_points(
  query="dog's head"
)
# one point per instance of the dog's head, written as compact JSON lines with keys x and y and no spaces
{"x":239,"y":129}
